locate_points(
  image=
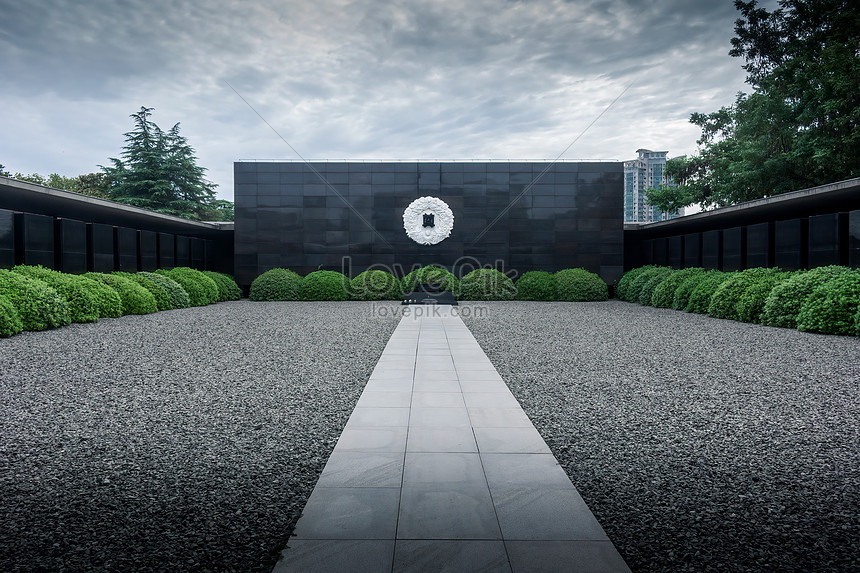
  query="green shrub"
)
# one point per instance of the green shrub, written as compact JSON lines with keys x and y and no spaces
{"x":108,"y":300}
{"x":375,"y":284}
{"x":700,"y":299}
{"x":177,"y":295}
{"x":647,"y":290}
{"x":750,"y":305}
{"x":201,"y":289}
{"x":10,"y":322}
{"x":486,"y":284}
{"x":38,"y":306}
{"x":536,"y":285}
{"x":430,"y":275}
{"x":276,"y":284}
{"x":580,"y":285}
{"x":227,"y":287}
{"x":135,"y":298}
{"x":785,"y":300}
{"x":162,"y":298}
{"x":623,"y":287}
{"x":664,"y":293}
{"x":83,"y":305}
{"x":832,"y":308}
{"x":730,"y":291}
{"x":325,"y":285}
{"x":683,"y":292}
{"x":634,"y":289}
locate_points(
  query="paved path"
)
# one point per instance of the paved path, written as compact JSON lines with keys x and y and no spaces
{"x":439,"y":469}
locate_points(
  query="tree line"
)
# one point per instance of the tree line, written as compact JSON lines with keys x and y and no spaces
{"x":798,"y":128}
{"x":157,"y":170}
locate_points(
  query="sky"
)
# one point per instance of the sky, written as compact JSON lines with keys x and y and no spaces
{"x":360,"y":79}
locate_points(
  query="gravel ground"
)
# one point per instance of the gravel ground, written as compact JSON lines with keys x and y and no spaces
{"x":699,"y":444}
{"x":186,"y":440}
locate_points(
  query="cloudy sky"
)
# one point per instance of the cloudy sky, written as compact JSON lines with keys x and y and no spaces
{"x":360,"y":79}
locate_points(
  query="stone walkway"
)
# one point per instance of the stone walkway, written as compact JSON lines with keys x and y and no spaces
{"x":439,"y":469}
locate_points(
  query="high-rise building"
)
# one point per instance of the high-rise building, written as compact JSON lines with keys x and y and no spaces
{"x":644,"y":172}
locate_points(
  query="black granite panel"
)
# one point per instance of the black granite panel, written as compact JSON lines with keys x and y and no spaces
{"x":734,"y":249}
{"x":71,"y":246}
{"x":675,"y":252}
{"x":659,"y":255}
{"x":692,"y":250}
{"x":100,"y":248}
{"x":198,"y":254}
{"x":125,"y":250}
{"x":7,"y":239}
{"x":182,"y":251}
{"x":854,"y":239}
{"x":166,"y":250}
{"x":34,"y":239}
{"x":760,"y":245}
{"x":825,"y":244}
{"x":790,"y":244}
{"x":712,"y":249}
{"x":147,"y":242}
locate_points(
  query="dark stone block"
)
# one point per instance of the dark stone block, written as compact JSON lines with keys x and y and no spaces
{"x":659,"y":253}
{"x":100,"y":248}
{"x":182,"y":251}
{"x":790,"y":244}
{"x":675,"y":252}
{"x":148,"y":247}
{"x":34,"y":239}
{"x":198,"y":253}
{"x":126,"y":255}
{"x":712,"y":249}
{"x":692,"y":250}
{"x":166,"y":251}
{"x":734,"y":249}
{"x":70,"y":246}
{"x":854,"y":239}
{"x":760,"y":245}
{"x":828,"y":238}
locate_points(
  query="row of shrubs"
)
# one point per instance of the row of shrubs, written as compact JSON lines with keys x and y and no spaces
{"x":823,"y":299}
{"x":38,"y":298}
{"x":480,"y":284}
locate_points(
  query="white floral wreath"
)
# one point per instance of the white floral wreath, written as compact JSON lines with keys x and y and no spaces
{"x":428,"y":220}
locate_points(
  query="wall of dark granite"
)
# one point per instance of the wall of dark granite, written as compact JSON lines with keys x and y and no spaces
{"x":348,"y":216}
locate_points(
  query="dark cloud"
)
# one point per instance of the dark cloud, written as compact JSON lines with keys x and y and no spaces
{"x":367,"y":78}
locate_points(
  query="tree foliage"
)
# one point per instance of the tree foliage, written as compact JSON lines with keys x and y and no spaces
{"x":158,"y":170}
{"x":799,"y":126}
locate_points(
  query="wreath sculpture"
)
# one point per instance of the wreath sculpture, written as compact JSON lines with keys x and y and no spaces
{"x":428,"y":220}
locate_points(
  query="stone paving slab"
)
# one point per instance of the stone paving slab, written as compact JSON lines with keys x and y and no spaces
{"x":439,"y":469}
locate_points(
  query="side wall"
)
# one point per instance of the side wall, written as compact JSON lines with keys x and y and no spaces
{"x":513,"y":216}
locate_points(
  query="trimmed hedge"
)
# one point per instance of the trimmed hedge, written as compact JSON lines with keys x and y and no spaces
{"x":39,"y":306}
{"x":786,"y":299}
{"x":227,"y":287}
{"x":429,"y":274}
{"x":635,"y":287}
{"x":276,"y":284}
{"x":664,"y":293}
{"x":730,"y":291}
{"x":580,"y":285}
{"x":486,"y":284}
{"x":135,"y":298}
{"x":162,"y":298}
{"x":83,"y":304}
{"x":375,"y":284}
{"x":10,"y":322}
{"x":325,"y":285}
{"x":177,"y":295}
{"x":201,"y":289}
{"x":647,"y":290}
{"x":690,"y":284}
{"x":832,"y":308}
{"x":700,"y":298}
{"x":108,"y":300}
{"x":750,"y":305}
{"x":623,"y":287}
{"x":536,"y":285}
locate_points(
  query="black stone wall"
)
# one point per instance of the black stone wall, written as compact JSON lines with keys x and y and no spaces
{"x":518,"y":216}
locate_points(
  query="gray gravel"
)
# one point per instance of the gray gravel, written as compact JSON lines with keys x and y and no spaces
{"x":186,"y":440}
{"x":700,"y":444}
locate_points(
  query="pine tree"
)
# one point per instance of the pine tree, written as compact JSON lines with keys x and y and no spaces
{"x":158,"y":171}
